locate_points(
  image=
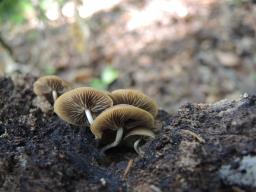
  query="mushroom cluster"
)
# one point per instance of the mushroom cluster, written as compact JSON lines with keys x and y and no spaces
{"x":122,"y":117}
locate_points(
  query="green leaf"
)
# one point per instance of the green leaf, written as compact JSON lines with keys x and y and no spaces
{"x":49,"y":70}
{"x":109,"y":75}
{"x":98,"y":84}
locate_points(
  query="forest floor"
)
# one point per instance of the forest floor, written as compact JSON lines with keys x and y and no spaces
{"x":197,"y":63}
{"x":202,"y":147}
{"x":175,"y":52}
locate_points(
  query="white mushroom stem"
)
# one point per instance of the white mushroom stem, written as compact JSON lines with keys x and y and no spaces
{"x":119,"y":135}
{"x":54,"y":95}
{"x":89,"y":116}
{"x":137,"y":148}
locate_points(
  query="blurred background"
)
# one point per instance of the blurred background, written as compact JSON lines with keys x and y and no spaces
{"x":176,"y":51}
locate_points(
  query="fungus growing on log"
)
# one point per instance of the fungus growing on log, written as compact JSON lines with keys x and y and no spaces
{"x":114,"y":122}
{"x":80,"y":105}
{"x":50,"y":86}
{"x":135,"y":98}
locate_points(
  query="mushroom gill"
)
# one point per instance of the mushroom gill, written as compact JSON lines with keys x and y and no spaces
{"x":82,"y":103}
{"x":50,"y":85}
{"x":120,"y":119}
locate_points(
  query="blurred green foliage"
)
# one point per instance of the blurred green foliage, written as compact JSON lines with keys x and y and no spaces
{"x":238,"y":2}
{"x":254,"y":76}
{"x":49,"y":70}
{"x":108,"y":76}
{"x":98,"y":84}
{"x":17,"y":11}
{"x":14,"y":10}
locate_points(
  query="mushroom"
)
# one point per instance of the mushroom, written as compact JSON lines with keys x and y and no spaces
{"x":135,"y":98}
{"x":82,"y":103}
{"x":135,"y":136}
{"x":50,"y":85}
{"x":119,"y":119}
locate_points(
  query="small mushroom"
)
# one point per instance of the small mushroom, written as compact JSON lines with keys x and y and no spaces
{"x":50,"y":86}
{"x":135,"y":136}
{"x":82,"y":103}
{"x":119,"y":119}
{"x":135,"y":98}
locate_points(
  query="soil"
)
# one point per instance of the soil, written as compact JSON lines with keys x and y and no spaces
{"x":40,"y":152}
{"x":203,"y":55}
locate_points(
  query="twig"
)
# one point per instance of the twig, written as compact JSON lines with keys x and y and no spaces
{"x":5,"y":45}
{"x":129,"y":165}
{"x":199,"y":138}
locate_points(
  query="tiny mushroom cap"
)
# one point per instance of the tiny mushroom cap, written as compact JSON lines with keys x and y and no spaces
{"x":140,"y":132}
{"x":135,"y":98}
{"x":135,"y":136}
{"x":50,"y":85}
{"x":78,"y":104}
{"x":119,"y":118}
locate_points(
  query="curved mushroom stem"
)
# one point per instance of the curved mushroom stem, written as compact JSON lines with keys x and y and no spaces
{"x":54,"y":95}
{"x":137,"y":147}
{"x":88,"y":115}
{"x":119,"y":135}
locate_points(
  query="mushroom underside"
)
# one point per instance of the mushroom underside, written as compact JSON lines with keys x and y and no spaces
{"x":137,"y":137}
{"x":81,"y":105}
{"x":134,"y":138}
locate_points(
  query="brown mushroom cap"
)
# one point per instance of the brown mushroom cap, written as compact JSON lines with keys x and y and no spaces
{"x":71,"y":105}
{"x":120,"y":116}
{"x":135,"y":98}
{"x":136,"y":134}
{"x":45,"y":85}
{"x":140,"y":132}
